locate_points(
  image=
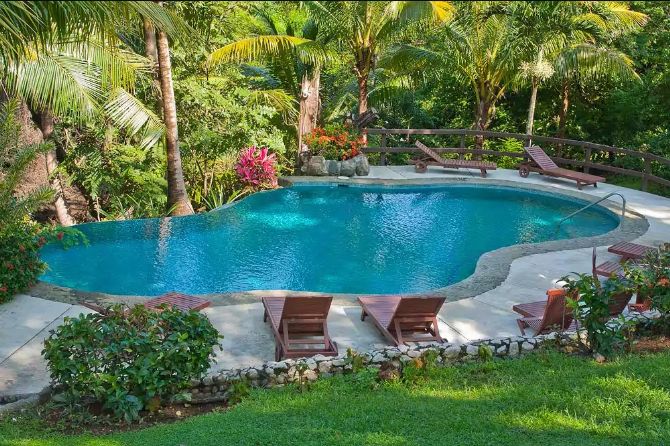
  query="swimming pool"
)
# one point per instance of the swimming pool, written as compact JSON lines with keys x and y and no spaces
{"x":356,"y":239}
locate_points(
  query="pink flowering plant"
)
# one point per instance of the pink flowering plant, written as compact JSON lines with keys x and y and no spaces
{"x":257,"y":168}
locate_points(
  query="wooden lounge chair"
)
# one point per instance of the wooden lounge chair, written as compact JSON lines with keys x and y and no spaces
{"x":630,"y":251}
{"x":606,"y":269}
{"x":536,"y":309}
{"x":183,"y":302}
{"x":555,"y":316}
{"x":404,"y":319}
{"x":542,"y":164}
{"x":435,"y":159}
{"x":299,"y":324}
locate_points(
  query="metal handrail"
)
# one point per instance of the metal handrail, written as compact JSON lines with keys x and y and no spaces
{"x":623,"y":208}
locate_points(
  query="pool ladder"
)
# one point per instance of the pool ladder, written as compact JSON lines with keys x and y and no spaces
{"x":623,"y":208}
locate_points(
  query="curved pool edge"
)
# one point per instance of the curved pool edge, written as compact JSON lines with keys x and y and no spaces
{"x":491,"y":270}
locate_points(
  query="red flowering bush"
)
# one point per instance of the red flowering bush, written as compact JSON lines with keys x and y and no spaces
{"x":257,"y":168}
{"x":20,"y":242}
{"x":334,"y":142}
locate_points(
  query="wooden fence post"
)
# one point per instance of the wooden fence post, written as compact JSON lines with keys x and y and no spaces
{"x":587,"y":159}
{"x":382,"y":157}
{"x":647,"y":171}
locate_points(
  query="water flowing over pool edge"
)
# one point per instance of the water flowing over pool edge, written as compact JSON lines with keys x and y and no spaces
{"x":491,"y":270}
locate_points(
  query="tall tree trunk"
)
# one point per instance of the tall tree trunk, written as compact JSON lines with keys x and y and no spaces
{"x":482,"y":120}
{"x":150,"y":48}
{"x":563,"y":114}
{"x":531,"y":107}
{"x":362,"y":93}
{"x":565,"y":106}
{"x":310,"y":106}
{"x":363,"y":99}
{"x":178,"y":200}
{"x":46,"y":125}
{"x":151,"y":51}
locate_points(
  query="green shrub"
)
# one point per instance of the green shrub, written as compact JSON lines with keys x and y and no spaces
{"x":652,"y":276}
{"x":592,"y":311}
{"x":19,"y":247}
{"x":129,"y":361}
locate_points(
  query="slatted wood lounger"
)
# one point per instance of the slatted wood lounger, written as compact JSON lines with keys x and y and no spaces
{"x":299,"y":325}
{"x":404,"y":318}
{"x":183,"y":302}
{"x":420,"y":164}
{"x":542,"y":164}
{"x":536,"y":309}
{"x":628,"y":250}
{"x":554,"y":316}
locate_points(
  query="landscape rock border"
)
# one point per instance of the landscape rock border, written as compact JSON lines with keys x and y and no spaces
{"x":220,"y":386}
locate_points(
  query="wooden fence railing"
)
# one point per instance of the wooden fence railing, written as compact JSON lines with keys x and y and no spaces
{"x":588,"y":149}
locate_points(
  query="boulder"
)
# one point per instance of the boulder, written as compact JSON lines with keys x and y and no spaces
{"x":362,"y":165}
{"x":348,"y":168}
{"x":333,"y":167}
{"x":315,"y":166}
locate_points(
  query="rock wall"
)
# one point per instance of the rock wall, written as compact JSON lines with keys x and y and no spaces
{"x":218,"y":387}
{"x":320,"y":167}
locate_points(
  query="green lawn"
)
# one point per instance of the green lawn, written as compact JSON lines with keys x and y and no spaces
{"x":545,"y":399}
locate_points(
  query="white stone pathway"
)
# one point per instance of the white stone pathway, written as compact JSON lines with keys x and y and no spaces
{"x":26,"y":320}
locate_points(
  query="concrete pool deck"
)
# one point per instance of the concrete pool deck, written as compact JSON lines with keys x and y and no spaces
{"x":26,"y":320}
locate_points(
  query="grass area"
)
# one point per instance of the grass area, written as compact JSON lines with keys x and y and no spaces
{"x":544,"y":399}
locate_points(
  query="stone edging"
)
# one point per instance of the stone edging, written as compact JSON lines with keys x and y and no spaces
{"x":219,"y":386}
{"x":491,"y":270}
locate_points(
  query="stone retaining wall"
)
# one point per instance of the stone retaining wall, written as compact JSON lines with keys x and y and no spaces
{"x":218,"y":387}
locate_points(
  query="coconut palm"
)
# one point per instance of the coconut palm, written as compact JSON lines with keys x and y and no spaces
{"x":65,"y":58}
{"x":572,"y":38}
{"x":368,"y":28}
{"x":482,"y":47}
{"x":288,"y":45}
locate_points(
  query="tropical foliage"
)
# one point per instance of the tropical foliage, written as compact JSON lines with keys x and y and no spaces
{"x":128,"y":360}
{"x":269,"y":73}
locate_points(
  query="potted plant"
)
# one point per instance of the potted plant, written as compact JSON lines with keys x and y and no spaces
{"x":651,"y":275}
{"x":335,"y":150}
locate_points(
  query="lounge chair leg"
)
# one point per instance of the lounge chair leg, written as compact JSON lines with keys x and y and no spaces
{"x":363,"y":315}
{"x":483,"y":173}
{"x":265,"y":315}
{"x":436,"y":330}
{"x":521,"y":324}
{"x":398,"y":332}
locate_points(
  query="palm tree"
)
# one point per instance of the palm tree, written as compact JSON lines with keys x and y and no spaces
{"x":483,"y":49}
{"x":368,"y":28}
{"x":62,"y":58}
{"x":571,"y":38}
{"x":293,"y":53}
{"x":177,"y":195}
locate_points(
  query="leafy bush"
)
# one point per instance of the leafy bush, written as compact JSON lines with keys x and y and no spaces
{"x":652,"y":277}
{"x":129,"y":361}
{"x":256,"y":168}
{"x":592,"y":311}
{"x":334,"y":142}
{"x":20,"y":242}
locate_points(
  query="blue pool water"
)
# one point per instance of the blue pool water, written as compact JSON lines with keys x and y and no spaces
{"x":358,"y":239}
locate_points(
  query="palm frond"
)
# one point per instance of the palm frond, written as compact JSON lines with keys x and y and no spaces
{"x":278,"y":99}
{"x":588,"y":61}
{"x":65,"y":85}
{"x":254,"y":48}
{"x":126,"y":111}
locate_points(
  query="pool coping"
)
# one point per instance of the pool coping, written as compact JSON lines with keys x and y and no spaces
{"x":491,"y":270}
